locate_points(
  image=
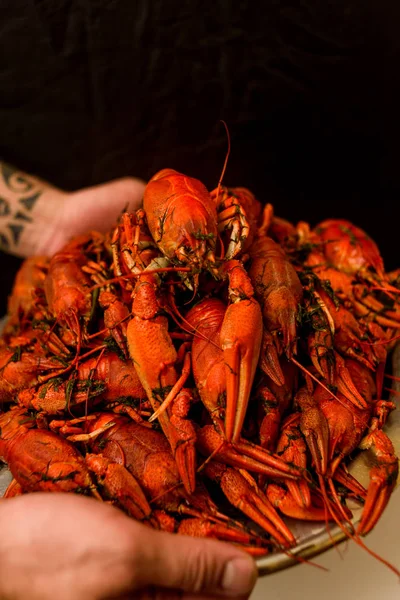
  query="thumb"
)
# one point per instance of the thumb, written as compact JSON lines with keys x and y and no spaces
{"x":98,"y":207}
{"x":194,"y":565}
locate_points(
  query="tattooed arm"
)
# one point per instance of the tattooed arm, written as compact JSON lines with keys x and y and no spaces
{"x":28,"y":212}
{"x":38,"y":218}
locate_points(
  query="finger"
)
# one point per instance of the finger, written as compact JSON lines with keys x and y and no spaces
{"x":127,"y":193}
{"x":193,"y":565}
{"x":108,"y":200}
{"x":166,"y":594}
{"x":99,"y":207}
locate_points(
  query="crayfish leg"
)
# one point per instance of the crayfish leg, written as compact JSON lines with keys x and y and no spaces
{"x":231,"y":215}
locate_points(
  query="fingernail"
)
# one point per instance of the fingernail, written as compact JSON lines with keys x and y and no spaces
{"x":239,"y":576}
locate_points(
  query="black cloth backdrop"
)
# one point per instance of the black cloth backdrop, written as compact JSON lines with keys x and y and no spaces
{"x":96,"y":89}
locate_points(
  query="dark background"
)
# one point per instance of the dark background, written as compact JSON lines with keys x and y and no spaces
{"x":92,"y":90}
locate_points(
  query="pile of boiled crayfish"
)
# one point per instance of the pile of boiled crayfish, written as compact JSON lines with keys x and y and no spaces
{"x":206,"y":366}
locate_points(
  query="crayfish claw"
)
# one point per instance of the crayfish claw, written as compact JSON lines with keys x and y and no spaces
{"x":242,"y":491}
{"x":269,"y":359}
{"x":118,"y":483}
{"x":212,"y":529}
{"x":241,"y":333}
{"x":300,"y":491}
{"x":314,"y":427}
{"x":342,"y":476}
{"x":282,"y":499}
{"x":383,"y":478}
{"x":245,"y":455}
{"x":292,"y":448}
{"x":346,"y":385}
{"x":185,"y":458}
{"x":319,"y":346}
{"x":206,"y":528}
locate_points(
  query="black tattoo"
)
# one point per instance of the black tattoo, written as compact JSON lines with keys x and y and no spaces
{"x":30,"y":202}
{"x":26,"y":197}
{"x":4,"y":208}
{"x":22,"y":217}
{"x":16,"y":231}
{"x":15,"y":180}
{"x":4,"y":243}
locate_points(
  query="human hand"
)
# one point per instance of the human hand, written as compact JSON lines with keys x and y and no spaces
{"x":71,"y":547}
{"x":94,"y":208}
{"x":38,"y":218}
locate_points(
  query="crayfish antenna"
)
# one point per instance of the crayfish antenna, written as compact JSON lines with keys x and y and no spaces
{"x":176,"y":388}
{"x":328,"y":529}
{"x":183,"y":323}
{"x":309,"y":374}
{"x":336,"y":504}
{"x":354,"y":536}
{"x":393,"y":377}
{"x":383,"y":342}
{"x":305,"y":561}
{"x":225,"y":161}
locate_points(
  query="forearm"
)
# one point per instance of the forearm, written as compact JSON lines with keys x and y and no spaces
{"x":28,"y":213}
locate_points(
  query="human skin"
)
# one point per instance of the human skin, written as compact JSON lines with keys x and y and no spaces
{"x":37,"y":218}
{"x":72,"y":547}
